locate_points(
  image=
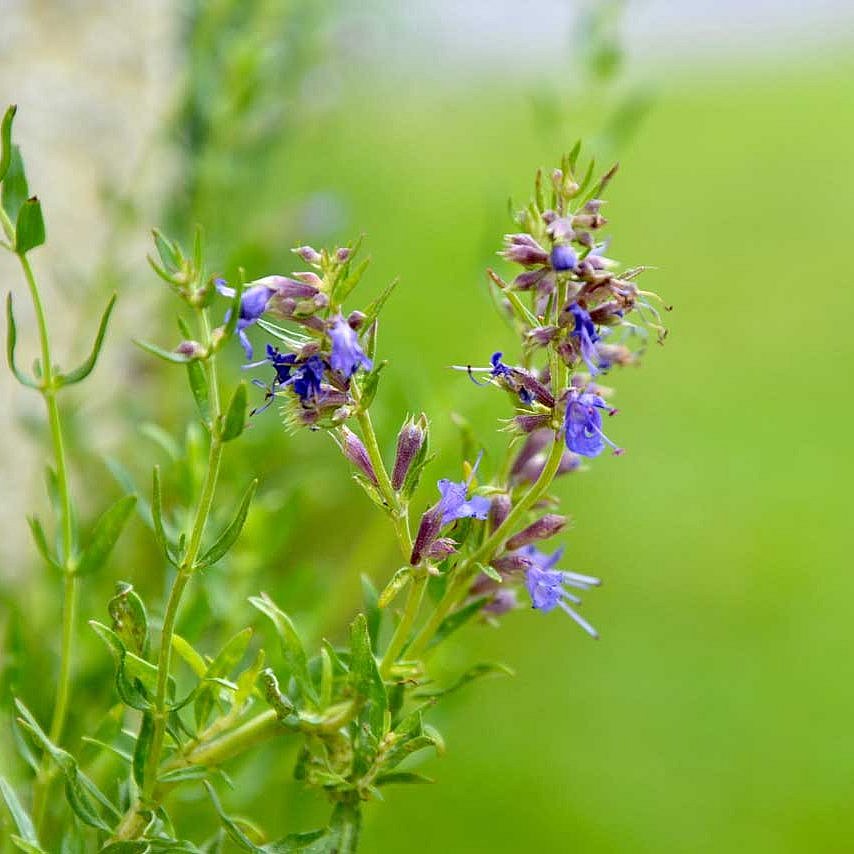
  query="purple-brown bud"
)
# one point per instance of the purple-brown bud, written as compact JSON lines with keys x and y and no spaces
{"x":409,"y":442}
{"x":190,"y":348}
{"x":356,"y":319}
{"x":342,"y":254}
{"x":523,"y":249}
{"x":354,"y":450}
{"x":428,"y":531}
{"x":507,"y":564}
{"x":499,"y":509}
{"x":542,"y":529}
{"x":308,"y":254}
{"x":441,"y":548}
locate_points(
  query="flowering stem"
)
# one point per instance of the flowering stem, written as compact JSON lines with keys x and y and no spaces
{"x":182,"y":577}
{"x":48,"y":389}
{"x":407,"y":619}
{"x":399,"y":512}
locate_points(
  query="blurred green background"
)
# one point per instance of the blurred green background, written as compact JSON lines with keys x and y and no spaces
{"x":714,"y":713}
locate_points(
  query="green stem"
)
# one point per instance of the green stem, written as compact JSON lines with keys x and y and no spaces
{"x":182,"y":577}
{"x":48,"y":390}
{"x":407,"y":620}
{"x":399,"y":513}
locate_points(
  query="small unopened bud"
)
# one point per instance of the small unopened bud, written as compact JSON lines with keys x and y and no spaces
{"x":441,"y":548}
{"x":530,"y":423}
{"x":409,"y":442}
{"x":523,"y":249}
{"x":342,"y":254}
{"x":309,"y":278}
{"x":356,"y":319}
{"x":503,"y":601}
{"x":542,"y":335}
{"x":529,"y":279}
{"x":191,"y":348}
{"x":507,"y":564}
{"x":593,"y":206}
{"x":354,"y":450}
{"x":428,"y":531}
{"x":308,"y":254}
{"x":589,"y":220}
{"x":499,"y":509}
{"x":542,"y":529}
{"x":557,"y":179}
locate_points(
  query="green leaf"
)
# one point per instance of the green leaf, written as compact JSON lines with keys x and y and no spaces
{"x":229,"y":536}
{"x":476,"y":672}
{"x":104,"y":535}
{"x":235,"y":416}
{"x":157,"y":518}
{"x":170,"y":254}
{"x":190,"y":655}
{"x":247,"y":679}
{"x":292,"y":648}
{"x":20,"y":816}
{"x":373,"y":310}
{"x":489,"y":572}
{"x":398,"y":582}
{"x":408,"y":777}
{"x":6,"y":139}
{"x":136,"y":679}
{"x":234,"y":311}
{"x":41,"y":541}
{"x":75,"y":788}
{"x":29,"y":227}
{"x":166,"y":355}
{"x":231,"y":827}
{"x":126,"y":848}
{"x":15,"y":190}
{"x":459,"y":618}
{"x":24,"y":845}
{"x":11,"y":342}
{"x":199,"y":387}
{"x":83,"y":371}
{"x":365,"y":675}
{"x":227,"y":659}
{"x":371,"y":384}
{"x":182,"y":775}
{"x":130,"y":621}
{"x":142,"y":748}
{"x":348,"y":281}
{"x":373,"y":615}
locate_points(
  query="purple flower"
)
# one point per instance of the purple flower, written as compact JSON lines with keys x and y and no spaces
{"x":586,"y":336}
{"x":303,"y":377}
{"x":563,"y":258}
{"x":253,"y":303}
{"x":547,"y":586}
{"x":347,"y":356}
{"x":583,"y":424}
{"x":454,"y":504}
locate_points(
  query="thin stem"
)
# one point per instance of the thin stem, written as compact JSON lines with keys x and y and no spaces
{"x":407,"y":620}
{"x":70,"y":585}
{"x":182,"y":577}
{"x":399,"y":512}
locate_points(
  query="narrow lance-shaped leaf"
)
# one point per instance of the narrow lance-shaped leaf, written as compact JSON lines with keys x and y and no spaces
{"x":29,"y":226}
{"x":229,"y":536}
{"x":166,"y":355}
{"x":373,"y":615}
{"x":227,"y":659}
{"x":459,"y":618}
{"x":105,"y":534}
{"x":376,"y":306}
{"x":367,"y":680}
{"x":142,"y":748}
{"x":473,"y":673}
{"x":157,"y":517}
{"x":83,"y":371}
{"x":76,"y":791}
{"x":11,"y":342}
{"x":15,"y":190}
{"x":235,"y":416}
{"x":199,"y":387}
{"x":398,"y":582}
{"x":41,"y":541}
{"x":130,"y":620}
{"x":136,"y":679}
{"x":6,"y":139}
{"x":292,"y":647}
{"x":20,"y":816}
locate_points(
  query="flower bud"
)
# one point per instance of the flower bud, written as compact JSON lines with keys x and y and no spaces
{"x":510,"y":563}
{"x":542,"y":529}
{"x":589,"y":220}
{"x":409,"y":442}
{"x":499,"y":509}
{"x":191,"y":348}
{"x":354,"y":450}
{"x":523,"y":249}
{"x":308,"y":254}
{"x":503,"y":601}
{"x":530,"y":423}
{"x":342,"y":254}
{"x":310,"y":279}
{"x":428,"y":531}
{"x":356,"y":319}
{"x":529,"y":279}
{"x":441,"y":548}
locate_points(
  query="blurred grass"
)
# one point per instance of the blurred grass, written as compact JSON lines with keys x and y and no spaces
{"x":713,"y":714}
